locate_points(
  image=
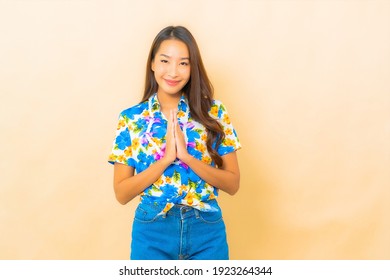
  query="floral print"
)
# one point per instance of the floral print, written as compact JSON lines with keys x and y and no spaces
{"x":140,"y":141}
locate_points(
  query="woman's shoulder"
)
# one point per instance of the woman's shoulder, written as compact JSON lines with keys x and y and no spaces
{"x":135,"y":110}
{"x":217,"y":108}
{"x":218,"y":103}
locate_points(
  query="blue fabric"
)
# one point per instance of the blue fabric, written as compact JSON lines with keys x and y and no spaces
{"x":183,"y":233}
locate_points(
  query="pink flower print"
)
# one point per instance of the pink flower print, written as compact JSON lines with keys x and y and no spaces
{"x":182,"y":164}
{"x":146,"y":138}
{"x":159,"y":154}
{"x":191,"y":144}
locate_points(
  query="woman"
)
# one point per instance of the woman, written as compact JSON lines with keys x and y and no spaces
{"x":176,"y":149}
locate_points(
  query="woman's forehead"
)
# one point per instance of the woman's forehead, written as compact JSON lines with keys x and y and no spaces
{"x":173,"y":49}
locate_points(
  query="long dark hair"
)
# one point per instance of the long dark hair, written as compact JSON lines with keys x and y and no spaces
{"x":198,"y":91}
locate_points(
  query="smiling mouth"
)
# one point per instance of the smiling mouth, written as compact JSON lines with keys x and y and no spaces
{"x":172,"y":82}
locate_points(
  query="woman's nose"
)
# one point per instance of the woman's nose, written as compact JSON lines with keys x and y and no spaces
{"x":172,"y":71}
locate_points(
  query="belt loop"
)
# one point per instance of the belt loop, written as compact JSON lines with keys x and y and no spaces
{"x":196,"y":213}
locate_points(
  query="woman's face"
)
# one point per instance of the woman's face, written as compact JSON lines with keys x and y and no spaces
{"x":171,"y":67}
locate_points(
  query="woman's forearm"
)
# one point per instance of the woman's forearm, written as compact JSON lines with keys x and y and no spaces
{"x":127,"y":186}
{"x":227,"y":179}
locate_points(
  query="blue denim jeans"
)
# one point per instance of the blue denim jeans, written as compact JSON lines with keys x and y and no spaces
{"x":184,"y":233}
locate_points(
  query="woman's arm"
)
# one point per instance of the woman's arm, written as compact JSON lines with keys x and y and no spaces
{"x":226,"y":178}
{"x":127,"y":185}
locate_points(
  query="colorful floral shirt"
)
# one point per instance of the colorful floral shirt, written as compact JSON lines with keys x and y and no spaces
{"x":140,"y":141}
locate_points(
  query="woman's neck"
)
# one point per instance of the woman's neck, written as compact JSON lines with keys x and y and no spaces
{"x":168,"y":101}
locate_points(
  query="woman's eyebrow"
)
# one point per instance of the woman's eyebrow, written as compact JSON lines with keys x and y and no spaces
{"x":167,"y":56}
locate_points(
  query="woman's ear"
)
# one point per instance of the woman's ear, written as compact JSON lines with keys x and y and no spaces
{"x":152,"y":65}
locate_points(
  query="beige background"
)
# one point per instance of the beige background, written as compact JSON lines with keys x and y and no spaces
{"x":306,"y":84}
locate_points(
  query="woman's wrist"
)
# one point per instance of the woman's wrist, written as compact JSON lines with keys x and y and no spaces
{"x":165,"y":162}
{"x":187,"y":158}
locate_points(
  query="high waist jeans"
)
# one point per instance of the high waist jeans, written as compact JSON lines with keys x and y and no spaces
{"x":184,"y":233}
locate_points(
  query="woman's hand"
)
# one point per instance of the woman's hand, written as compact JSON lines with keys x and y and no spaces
{"x":181,"y":145}
{"x":170,"y":145}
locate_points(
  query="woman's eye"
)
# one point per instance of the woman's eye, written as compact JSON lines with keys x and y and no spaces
{"x":164,"y":61}
{"x":184,"y":63}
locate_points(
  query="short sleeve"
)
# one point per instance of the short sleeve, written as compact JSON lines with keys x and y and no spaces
{"x":231,"y":142}
{"x":121,"y":148}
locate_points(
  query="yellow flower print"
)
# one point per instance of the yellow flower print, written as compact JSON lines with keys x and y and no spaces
{"x":229,"y":142}
{"x":181,"y":114}
{"x":135,"y":143}
{"x":145,"y":113}
{"x":112,"y":157}
{"x":168,"y":180}
{"x":167,"y":207}
{"x":128,"y":152}
{"x":226,"y":118}
{"x":214,"y":110}
{"x":159,"y":182}
{"x":182,"y":188}
{"x":121,"y":124}
{"x":206,"y":159}
{"x":190,"y":198}
{"x":212,"y":196}
{"x":156,"y":140}
{"x":203,"y":137}
{"x":228,"y":131}
{"x":121,"y":158}
{"x":200,"y":147}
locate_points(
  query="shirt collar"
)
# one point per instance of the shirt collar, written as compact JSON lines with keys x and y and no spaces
{"x":155,"y":104}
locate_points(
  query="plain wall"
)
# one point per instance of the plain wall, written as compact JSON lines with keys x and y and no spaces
{"x":307,"y":87}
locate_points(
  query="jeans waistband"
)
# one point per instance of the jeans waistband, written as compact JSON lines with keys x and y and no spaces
{"x":178,"y":210}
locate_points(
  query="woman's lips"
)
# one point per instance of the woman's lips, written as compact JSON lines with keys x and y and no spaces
{"x":172,"y":83}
